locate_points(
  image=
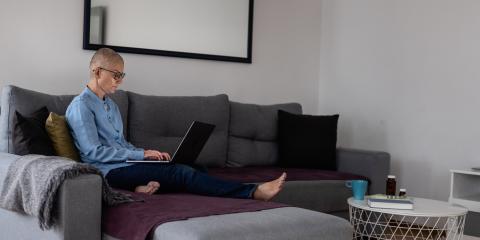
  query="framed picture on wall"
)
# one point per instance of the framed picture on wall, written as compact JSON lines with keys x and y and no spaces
{"x":202,"y":29}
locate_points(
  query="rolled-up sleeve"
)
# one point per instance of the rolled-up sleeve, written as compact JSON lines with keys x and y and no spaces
{"x":81,"y":121}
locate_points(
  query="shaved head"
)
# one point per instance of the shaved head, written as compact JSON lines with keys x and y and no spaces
{"x":106,"y":72}
{"x":105,"y":57}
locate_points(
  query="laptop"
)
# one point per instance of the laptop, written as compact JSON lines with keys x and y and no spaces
{"x":190,"y":146}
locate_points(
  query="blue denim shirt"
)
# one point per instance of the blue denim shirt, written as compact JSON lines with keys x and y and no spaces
{"x":97,"y":129}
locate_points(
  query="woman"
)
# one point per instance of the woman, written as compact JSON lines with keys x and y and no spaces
{"x":97,"y":128}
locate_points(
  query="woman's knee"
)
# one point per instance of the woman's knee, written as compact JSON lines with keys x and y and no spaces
{"x":184,"y":168}
{"x":184,"y":173}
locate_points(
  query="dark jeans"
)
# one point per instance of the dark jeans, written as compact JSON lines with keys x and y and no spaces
{"x":177,"y":177}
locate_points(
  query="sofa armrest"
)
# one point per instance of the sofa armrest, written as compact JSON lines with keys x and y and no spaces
{"x":374,"y":165}
{"x":80,"y":207}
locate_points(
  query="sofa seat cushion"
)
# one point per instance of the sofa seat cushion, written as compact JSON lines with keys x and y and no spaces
{"x":272,"y":224}
{"x":159,"y":123}
{"x":262,"y":174}
{"x":135,"y":220}
{"x":319,"y":190}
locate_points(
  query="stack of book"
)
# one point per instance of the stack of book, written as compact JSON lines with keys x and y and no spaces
{"x":382,"y":201}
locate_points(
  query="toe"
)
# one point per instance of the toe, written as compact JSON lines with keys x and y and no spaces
{"x":154,"y":184}
{"x":151,"y":190}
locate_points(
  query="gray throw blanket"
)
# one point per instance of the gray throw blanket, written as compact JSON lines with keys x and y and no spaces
{"x":32,"y":183}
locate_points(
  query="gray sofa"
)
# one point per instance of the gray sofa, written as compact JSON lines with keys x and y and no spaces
{"x":159,"y":122}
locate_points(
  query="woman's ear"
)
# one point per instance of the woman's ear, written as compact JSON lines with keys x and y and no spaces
{"x":96,"y":72}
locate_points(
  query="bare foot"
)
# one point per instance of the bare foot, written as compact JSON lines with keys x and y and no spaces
{"x":150,"y":188}
{"x":268,"y":190}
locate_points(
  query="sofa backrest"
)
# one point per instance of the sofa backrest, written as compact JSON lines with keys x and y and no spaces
{"x":253,"y":133}
{"x":26,"y":102}
{"x":245,"y":134}
{"x":158,"y":122}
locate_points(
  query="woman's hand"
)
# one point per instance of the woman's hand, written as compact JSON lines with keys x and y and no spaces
{"x":156,"y":155}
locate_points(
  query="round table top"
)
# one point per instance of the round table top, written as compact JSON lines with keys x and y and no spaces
{"x":422,"y":207}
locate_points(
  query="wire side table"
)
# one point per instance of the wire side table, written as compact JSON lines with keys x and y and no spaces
{"x":430,"y":219}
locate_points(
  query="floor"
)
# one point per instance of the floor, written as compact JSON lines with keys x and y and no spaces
{"x":470,"y":238}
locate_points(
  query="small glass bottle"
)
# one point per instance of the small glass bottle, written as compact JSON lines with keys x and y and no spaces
{"x":402,"y":193}
{"x":391,"y":186}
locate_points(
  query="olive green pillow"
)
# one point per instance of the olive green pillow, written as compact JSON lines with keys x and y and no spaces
{"x":59,"y":133}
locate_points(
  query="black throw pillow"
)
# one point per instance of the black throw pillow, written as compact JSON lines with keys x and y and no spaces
{"x":307,"y":141}
{"x":29,"y":134}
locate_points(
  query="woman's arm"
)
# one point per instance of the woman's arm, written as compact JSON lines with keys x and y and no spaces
{"x":84,"y":131}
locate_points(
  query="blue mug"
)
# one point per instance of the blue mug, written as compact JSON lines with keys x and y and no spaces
{"x":359,"y":188}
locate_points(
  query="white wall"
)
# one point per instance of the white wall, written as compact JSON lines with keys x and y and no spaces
{"x":215,"y":27}
{"x":41,"y":49}
{"x":405,"y":77}
{"x":403,"y":74}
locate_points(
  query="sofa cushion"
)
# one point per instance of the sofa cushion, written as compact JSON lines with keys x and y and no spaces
{"x":157,"y":122}
{"x":319,"y":190}
{"x":253,"y":133}
{"x":26,"y":101}
{"x":30,"y":136}
{"x":57,"y":129}
{"x":272,"y":224}
{"x":307,"y":141}
{"x":136,"y":221}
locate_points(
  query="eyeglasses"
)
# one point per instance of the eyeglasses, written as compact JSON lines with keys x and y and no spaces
{"x":118,"y":76}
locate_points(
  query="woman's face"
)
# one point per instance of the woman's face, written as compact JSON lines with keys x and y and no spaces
{"x":109,"y":79}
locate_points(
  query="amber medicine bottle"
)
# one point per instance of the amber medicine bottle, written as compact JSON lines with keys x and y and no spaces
{"x":391,"y":185}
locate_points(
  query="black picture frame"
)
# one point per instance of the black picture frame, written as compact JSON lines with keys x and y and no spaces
{"x":88,"y":46}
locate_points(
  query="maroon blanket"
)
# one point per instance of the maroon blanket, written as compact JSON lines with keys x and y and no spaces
{"x":136,"y":220}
